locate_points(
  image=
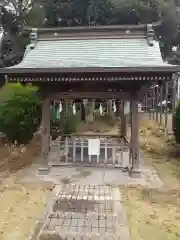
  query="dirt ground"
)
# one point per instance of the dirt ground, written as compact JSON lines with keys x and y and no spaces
{"x":155,"y":213}
{"x":152,"y":214}
{"x":21,"y":204}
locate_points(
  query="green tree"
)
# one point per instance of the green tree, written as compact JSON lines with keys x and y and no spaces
{"x":15,"y":14}
{"x":20,"y":112}
{"x":77,"y":12}
{"x":54,"y":13}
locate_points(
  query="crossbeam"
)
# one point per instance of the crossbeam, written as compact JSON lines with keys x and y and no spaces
{"x":90,"y":95}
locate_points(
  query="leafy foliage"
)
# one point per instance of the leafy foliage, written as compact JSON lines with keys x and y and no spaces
{"x":15,"y":14}
{"x":65,"y":125}
{"x":20,"y":112}
{"x":70,"y":122}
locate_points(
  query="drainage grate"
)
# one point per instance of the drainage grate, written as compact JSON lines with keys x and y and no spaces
{"x":84,"y":206}
{"x":93,"y":216}
{"x":86,"y":192}
{"x":78,"y":223}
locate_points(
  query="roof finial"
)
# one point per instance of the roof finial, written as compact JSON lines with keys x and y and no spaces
{"x":150,"y":34}
{"x":33,"y":37}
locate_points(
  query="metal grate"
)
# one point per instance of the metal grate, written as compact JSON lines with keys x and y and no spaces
{"x":72,"y":218}
{"x":75,"y":224}
{"x":84,"y":206}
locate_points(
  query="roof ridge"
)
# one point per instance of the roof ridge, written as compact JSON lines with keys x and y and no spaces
{"x":122,"y":26}
{"x":121,"y":31}
{"x":145,"y":31}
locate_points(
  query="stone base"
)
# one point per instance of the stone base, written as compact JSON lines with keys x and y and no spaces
{"x":43,"y":170}
{"x":135,"y":173}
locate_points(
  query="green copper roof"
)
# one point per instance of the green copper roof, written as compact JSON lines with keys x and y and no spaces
{"x":92,"y":53}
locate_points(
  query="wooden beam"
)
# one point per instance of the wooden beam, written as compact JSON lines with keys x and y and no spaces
{"x":90,"y":95}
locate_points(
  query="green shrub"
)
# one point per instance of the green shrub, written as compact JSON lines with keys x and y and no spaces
{"x":105,"y":118}
{"x":70,"y":122}
{"x":177,"y":123}
{"x":20,"y":112}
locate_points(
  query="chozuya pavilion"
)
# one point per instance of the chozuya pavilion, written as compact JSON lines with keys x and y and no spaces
{"x":113,"y":62}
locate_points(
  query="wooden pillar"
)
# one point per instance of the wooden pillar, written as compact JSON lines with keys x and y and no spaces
{"x":174,"y":94}
{"x":153,"y":102}
{"x":146,"y":104}
{"x":157,"y":102}
{"x":161,"y":99}
{"x":83,"y":111}
{"x":166,"y":107}
{"x":110,"y":108}
{"x":45,"y":133}
{"x":134,"y":168}
{"x":123,"y":120}
{"x":66,"y":105}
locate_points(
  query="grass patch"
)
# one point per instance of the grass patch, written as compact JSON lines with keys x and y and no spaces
{"x":161,"y":151}
{"x":21,"y":204}
{"x":101,"y":125}
{"x":155,"y":213}
{"x":152,"y":214}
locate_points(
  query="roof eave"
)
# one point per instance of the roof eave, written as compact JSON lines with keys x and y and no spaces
{"x":19,"y":70}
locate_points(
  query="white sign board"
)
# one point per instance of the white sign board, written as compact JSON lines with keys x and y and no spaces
{"x":94,"y":146}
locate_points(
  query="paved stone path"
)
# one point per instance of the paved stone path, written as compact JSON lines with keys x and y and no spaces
{"x":84,"y":212}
